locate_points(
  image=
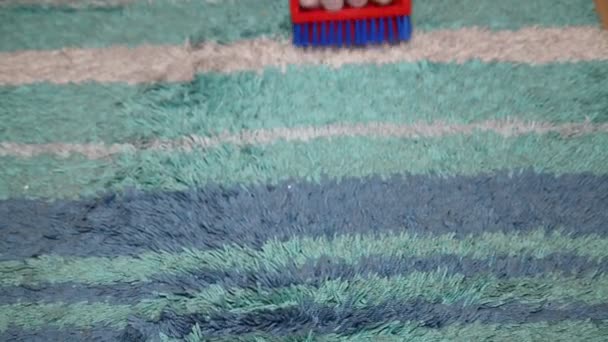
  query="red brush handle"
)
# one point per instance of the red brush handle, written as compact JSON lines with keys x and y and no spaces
{"x":371,"y":11}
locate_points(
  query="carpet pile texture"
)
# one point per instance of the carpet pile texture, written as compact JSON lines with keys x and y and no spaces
{"x":177,"y":171}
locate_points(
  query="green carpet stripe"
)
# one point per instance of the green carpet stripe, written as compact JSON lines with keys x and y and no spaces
{"x":368,"y":291}
{"x":275,"y":254}
{"x":565,"y":331}
{"x":215,"y":103}
{"x":33,"y":316}
{"x":66,"y":5}
{"x":562,"y":332}
{"x":506,"y":128}
{"x":164,"y":21}
{"x":53,"y":177}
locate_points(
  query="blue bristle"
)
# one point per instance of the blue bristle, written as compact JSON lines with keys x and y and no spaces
{"x":400,"y":32}
{"x":346,"y":33}
{"x":407,"y":28}
{"x":357,"y":32}
{"x":373,"y":31}
{"x":320,"y":41}
{"x":391,"y":30}
{"x":362,"y":32}
{"x":297,"y":35}
{"x":304,"y":34}
{"x":335,"y":33}
{"x":382,"y":26}
{"x":321,"y":34}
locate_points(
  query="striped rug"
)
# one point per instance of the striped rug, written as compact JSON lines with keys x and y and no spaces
{"x":177,"y":171}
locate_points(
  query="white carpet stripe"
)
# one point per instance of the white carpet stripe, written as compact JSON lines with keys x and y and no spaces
{"x":268,"y":136}
{"x":151,"y":63}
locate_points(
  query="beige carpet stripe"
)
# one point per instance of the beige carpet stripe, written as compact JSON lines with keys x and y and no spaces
{"x":151,"y":63}
{"x":268,"y":136}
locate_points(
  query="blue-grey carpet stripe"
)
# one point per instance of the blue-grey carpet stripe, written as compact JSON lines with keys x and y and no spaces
{"x":347,"y":318}
{"x":309,"y":317}
{"x":214,"y":216}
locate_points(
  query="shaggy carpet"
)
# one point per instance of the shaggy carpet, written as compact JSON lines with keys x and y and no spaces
{"x":177,"y":171}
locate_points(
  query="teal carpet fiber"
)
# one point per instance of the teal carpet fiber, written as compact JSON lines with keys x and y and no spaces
{"x":177,"y":171}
